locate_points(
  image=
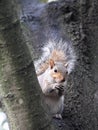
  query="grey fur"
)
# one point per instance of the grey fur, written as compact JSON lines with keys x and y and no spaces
{"x":67,"y":48}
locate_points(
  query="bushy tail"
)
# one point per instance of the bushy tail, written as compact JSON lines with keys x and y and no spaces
{"x":65,"y":47}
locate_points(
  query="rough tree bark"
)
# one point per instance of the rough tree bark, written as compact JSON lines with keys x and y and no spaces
{"x":78,"y":19}
{"x":19,"y":89}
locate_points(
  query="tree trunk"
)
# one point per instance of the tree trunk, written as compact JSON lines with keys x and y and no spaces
{"x":82,"y":92}
{"x":19,"y":90}
{"x":78,"y":19}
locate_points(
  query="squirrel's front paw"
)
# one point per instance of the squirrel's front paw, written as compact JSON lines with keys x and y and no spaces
{"x":60,"y":89}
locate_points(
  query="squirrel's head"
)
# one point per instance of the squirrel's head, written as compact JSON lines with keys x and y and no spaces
{"x":58,"y":71}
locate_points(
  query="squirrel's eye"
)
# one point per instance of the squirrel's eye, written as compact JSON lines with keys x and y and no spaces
{"x":55,"y":70}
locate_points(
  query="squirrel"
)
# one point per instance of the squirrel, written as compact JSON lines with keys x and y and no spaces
{"x":55,"y":64}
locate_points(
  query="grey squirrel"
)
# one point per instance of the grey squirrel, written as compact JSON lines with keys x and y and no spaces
{"x":52,"y":68}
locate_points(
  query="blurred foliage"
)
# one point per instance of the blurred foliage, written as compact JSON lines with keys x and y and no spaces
{"x":44,"y":1}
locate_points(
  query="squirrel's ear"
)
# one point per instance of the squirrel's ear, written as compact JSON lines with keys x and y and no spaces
{"x":51,"y":63}
{"x":66,"y":65}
